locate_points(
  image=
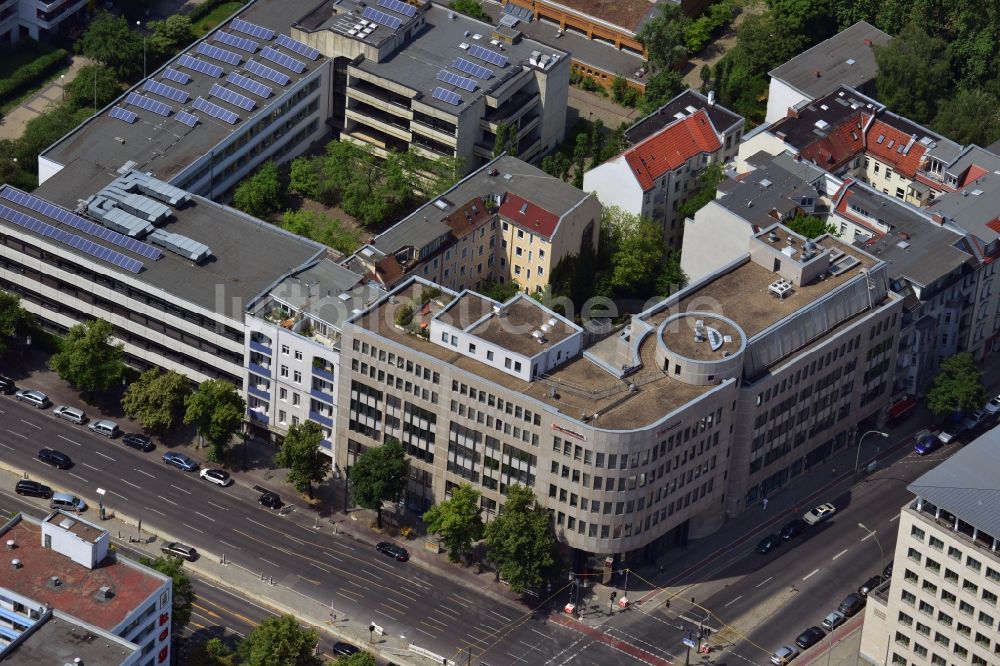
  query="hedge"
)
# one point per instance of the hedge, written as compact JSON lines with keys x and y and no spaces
{"x":32,"y":73}
{"x":204,"y":9}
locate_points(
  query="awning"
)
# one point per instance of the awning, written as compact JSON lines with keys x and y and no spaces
{"x":902,"y":407}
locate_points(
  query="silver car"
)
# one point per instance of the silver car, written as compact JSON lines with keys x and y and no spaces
{"x":35,"y":398}
{"x":71,"y":414}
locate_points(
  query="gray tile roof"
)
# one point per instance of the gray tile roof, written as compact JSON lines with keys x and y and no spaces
{"x":721,"y":117}
{"x":326,"y":290}
{"x":777,"y":185}
{"x":974,"y":207}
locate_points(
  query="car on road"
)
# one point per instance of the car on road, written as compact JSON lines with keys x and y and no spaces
{"x":887,"y":572}
{"x":342,"y":649}
{"x":7,"y":385}
{"x":137,"y":441}
{"x":993,"y":406}
{"x":869,"y":585}
{"x":57,"y":459}
{"x":810,"y":637}
{"x":833,"y":620}
{"x":32,"y":489}
{"x":270,"y":500}
{"x":180,"y":461}
{"x":851,"y":604}
{"x":67,"y":502}
{"x":820,"y":514}
{"x":217,"y":476}
{"x":106,"y":428}
{"x":71,"y":414}
{"x":178,"y":549}
{"x":784,"y":655}
{"x":792,"y":529}
{"x":927,"y":444}
{"x":768,"y":543}
{"x":34,"y":398}
{"x":949,"y":435}
{"x":392,"y":550}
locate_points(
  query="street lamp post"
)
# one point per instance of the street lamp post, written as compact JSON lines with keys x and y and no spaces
{"x":877,"y":542}
{"x":857,"y":458}
{"x":62,"y":85}
{"x":138,"y":25}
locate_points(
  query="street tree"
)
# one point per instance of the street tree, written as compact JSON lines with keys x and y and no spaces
{"x":280,"y":641}
{"x":94,"y":85}
{"x":958,"y":387}
{"x":357,"y":659}
{"x":521,"y":541}
{"x":637,"y":249}
{"x":87,"y":359}
{"x":300,"y":452}
{"x":914,"y":72}
{"x":170,"y":35}
{"x":664,"y":37}
{"x":15,"y":321}
{"x":111,"y":41}
{"x":183,"y":591}
{"x":156,"y":399}
{"x":971,"y":116}
{"x":379,"y":475}
{"x":457,"y":520}
{"x":260,"y":194}
{"x":216,"y":410}
{"x":212,"y":652}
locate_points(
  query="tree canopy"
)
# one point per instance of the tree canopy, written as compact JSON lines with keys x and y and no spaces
{"x":15,"y":321}
{"x":914,"y":72}
{"x":958,"y":386}
{"x":217,"y":410}
{"x":170,"y":35}
{"x":87,"y":359}
{"x":183,"y":592}
{"x":971,"y":116}
{"x":664,"y":37}
{"x":261,"y":193}
{"x":280,"y":641}
{"x":300,"y":452}
{"x":810,"y":226}
{"x":457,"y":520}
{"x":522,"y":544}
{"x":156,"y":399}
{"x":357,"y":659}
{"x":322,"y":229}
{"x":90,"y":79}
{"x":380,"y":475}
{"x":111,"y":41}
{"x":499,"y":291}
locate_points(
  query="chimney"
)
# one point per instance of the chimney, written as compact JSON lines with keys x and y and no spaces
{"x":15,"y":564}
{"x":868,"y":42}
{"x":54,"y":581}
{"x":937,"y":217}
{"x":792,"y":112}
{"x":11,"y":545}
{"x":711,"y":98}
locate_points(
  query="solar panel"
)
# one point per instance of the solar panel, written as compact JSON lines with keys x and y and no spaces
{"x":381,"y":17}
{"x":398,"y":7}
{"x":175,"y":76}
{"x":303,"y":50}
{"x":68,"y":218}
{"x":199,"y":65}
{"x":163,"y":90}
{"x":446,"y":96}
{"x":227,"y":95}
{"x":215,"y":110}
{"x":456,"y":80}
{"x":222,"y":55}
{"x":239,"y":42}
{"x":124,"y":114}
{"x":280,"y":58}
{"x":252,"y":29}
{"x":188,"y":119}
{"x":472,"y":68}
{"x":256,"y":87}
{"x":266,"y":72}
{"x":484,"y":54}
{"x":148,"y":103}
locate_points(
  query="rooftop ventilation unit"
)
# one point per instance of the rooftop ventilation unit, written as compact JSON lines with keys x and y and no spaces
{"x":182,"y":245}
{"x":822,"y":124}
{"x":773,"y":237}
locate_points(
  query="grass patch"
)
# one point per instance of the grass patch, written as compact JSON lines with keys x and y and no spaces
{"x":215,"y":17}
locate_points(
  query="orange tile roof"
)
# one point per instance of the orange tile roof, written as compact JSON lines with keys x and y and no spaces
{"x":671,"y":147}
{"x":528,"y":216}
{"x":844,"y":142}
{"x":887,"y":151}
{"x":974,"y":173}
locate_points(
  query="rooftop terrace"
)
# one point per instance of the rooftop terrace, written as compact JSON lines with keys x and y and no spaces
{"x":61,"y":638}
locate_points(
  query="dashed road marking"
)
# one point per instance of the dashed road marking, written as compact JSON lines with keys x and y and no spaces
{"x":839,"y":554}
{"x":810,"y":575}
{"x":769,"y":578}
{"x":733,"y":601}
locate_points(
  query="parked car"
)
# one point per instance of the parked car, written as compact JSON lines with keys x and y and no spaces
{"x":67,"y":502}
{"x":851,"y":604}
{"x":342,"y":649}
{"x":270,"y":500}
{"x":820,"y":514}
{"x":178,"y":549}
{"x":948,"y":436}
{"x":792,"y":529}
{"x":973,"y":421}
{"x":33,"y":398}
{"x":833,"y":620}
{"x":784,"y":655}
{"x":392,"y":550}
{"x":993,"y":406}
{"x":180,"y":461}
{"x":7,"y":385}
{"x":71,"y":414}
{"x":887,"y":572}
{"x":104,"y":427}
{"x":810,"y":637}
{"x":927,"y":444}
{"x":57,"y":459}
{"x":768,"y":543}
{"x":137,"y":441}
{"x":217,"y":476}
{"x":870,"y":585}
{"x":32,"y":489}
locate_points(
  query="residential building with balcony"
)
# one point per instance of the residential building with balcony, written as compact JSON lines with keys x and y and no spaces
{"x":940,"y":606}
{"x":727,"y":123}
{"x":36,"y":19}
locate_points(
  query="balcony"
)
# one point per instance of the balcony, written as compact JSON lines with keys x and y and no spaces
{"x":259,"y":370}
{"x":257,"y":416}
{"x":259,"y":392}
{"x":320,"y":418}
{"x":514,"y":108}
{"x":380,"y":121}
{"x":322,"y":396}
{"x":380,"y":99}
{"x":432,"y":132}
{"x":326,"y":445}
{"x":325,"y":374}
{"x":261,"y":348}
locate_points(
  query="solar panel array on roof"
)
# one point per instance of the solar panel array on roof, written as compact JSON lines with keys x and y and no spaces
{"x":446,"y":96}
{"x":215,"y":110}
{"x":252,"y":29}
{"x":58,"y":214}
{"x":398,"y":7}
{"x":124,"y":114}
{"x":188,"y":119}
{"x":175,"y":76}
{"x":222,"y":55}
{"x":199,"y":65}
{"x":456,"y":80}
{"x":303,"y":50}
{"x":472,"y":68}
{"x":484,"y":54}
{"x":227,"y":95}
{"x":381,"y":17}
{"x":236,"y":41}
{"x":280,"y":58}
{"x":256,"y":87}
{"x":148,"y":103}
{"x":266,"y":72}
{"x":163,"y":90}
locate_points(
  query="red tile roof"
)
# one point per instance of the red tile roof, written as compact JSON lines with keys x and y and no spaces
{"x":528,"y":216}
{"x":671,"y":147}
{"x":887,"y":151}
{"x":975,"y":172}
{"x":994,"y":224}
{"x":76,"y":593}
{"x":842,"y":143}
{"x":467,"y":218}
{"x":844,"y":210}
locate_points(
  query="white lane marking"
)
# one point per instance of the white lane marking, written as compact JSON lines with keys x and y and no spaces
{"x":324,"y":569}
{"x":192,"y":528}
{"x":6,"y":447}
{"x":839,"y":554}
{"x":67,"y":439}
{"x":180,"y":489}
{"x":733,"y":601}
{"x":216,"y":505}
{"x":869,"y":535}
{"x":166,"y":500}
{"x":131,"y":484}
{"x":104,"y":455}
{"x":118,"y":496}
{"x":499,"y":615}
{"x":149,"y":508}
{"x":333,"y":556}
{"x":896,"y":517}
{"x":204,"y":516}
{"x":228,"y":544}
{"x":268,"y":561}
{"x":36,"y":427}
{"x":810,"y":575}
{"x":21,"y":435}
{"x":142,"y":472}
{"x":425,"y":633}
{"x":96,"y":469}
{"x":79,"y":477}
{"x":761,"y":584}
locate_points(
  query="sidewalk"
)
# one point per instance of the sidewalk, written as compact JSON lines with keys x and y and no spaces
{"x":17,"y":118}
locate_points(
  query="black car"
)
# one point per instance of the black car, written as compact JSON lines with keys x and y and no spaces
{"x":792,"y":529}
{"x":887,"y":572}
{"x":270,"y":500}
{"x":55,"y":458}
{"x":7,"y":385}
{"x":768,"y":543}
{"x":851,"y":604}
{"x":32,"y":489}
{"x":869,"y":585}
{"x":392,"y":550}
{"x":810,"y":637}
{"x":137,"y":441}
{"x":178,"y":549}
{"x":342,"y":649}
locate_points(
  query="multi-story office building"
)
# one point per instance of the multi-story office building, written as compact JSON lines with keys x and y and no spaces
{"x":649,"y":434}
{"x":58,"y":638}
{"x":941,"y":604}
{"x":506,"y":221}
{"x":65,"y":563}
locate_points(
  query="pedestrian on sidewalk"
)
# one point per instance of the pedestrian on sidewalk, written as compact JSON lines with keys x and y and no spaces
{"x":764,"y":503}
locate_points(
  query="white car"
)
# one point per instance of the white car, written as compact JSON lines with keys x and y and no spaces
{"x":820,"y":514}
{"x":784,"y":655}
{"x":993,"y":406}
{"x":216,"y":476}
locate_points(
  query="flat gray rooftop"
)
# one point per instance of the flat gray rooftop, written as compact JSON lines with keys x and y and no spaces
{"x":326,"y":290}
{"x":61,"y":639}
{"x":976,"y":210}
{"x":777,"y":185}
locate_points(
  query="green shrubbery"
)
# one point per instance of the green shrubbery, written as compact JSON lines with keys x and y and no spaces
{"x":33,"y":73}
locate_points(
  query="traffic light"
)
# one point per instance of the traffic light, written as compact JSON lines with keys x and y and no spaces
{"x":614,"y":593}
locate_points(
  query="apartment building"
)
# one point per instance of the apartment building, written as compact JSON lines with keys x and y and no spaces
{"x":437,"y":82}
{"x":639,"y":437}
{"x":727,"y":123}
{"x":505,"y":221}
{"x":64,"y":563}
{"x":940,"y":607}
{"x":37,"y":19}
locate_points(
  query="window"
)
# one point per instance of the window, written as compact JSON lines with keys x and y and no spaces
{"x":917,"y":533}
{"x":905,"y":619}
{"x":966,"y":607}
{"x":876,"y":168}
{"x":963,"y":629}
{"x":284,"y":350}
{"x":919,"y":650}
{"x":973,"y":564}
{"x":926,"y":608}
{"x":935,"y":543}
{"x":948,"y":597}
{"x":969,"y":586}
{"x":282,"y":418}
{"x":960,"y":651}
{"x":283,"y":371}
{"x":296,"y":398}
{"x":489,"y":355}
{"x":900,"y":193}
{"x":297,"y":377}
{"x":283,"y":393}
{"x":951,"y":576}
{"x":923,"y":629}
{"x":986,"y":619}
{"x":989,"y":597}
{"x":930,"y":587}
{"x":298,"y":354}
{"x":933,"y":565}
{"x":954,"y":553}
{"x":944,"y":618}
{"x":913,"y":554}
{"x":908,"y":597}
{"x":903,"y":640}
